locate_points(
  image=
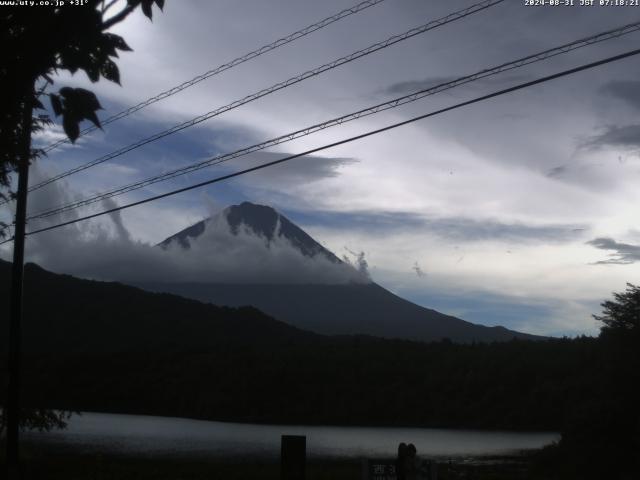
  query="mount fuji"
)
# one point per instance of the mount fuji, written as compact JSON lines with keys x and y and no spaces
{"x":298,"y":281}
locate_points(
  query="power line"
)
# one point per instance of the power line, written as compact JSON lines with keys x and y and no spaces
{"x":278,"y":86}
{"x":347,"y":140}
{"x":614,"y":33}
{"x":226,"y":66}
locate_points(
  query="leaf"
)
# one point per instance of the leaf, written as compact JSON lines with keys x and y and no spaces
{"x":146,"y":8}
{"x":79,"y":104}
{"x":160,"y":4}
{"x":71,"y":127}
{"x":109,"y":70}
{"x":118,"y":42}
{"x":56,"y":104}
{"x":87,"y":99}
{"x":67,"y":92}
{"x":93,"y":71}
{"x":70,"y":59}
{"x":91,"y":116}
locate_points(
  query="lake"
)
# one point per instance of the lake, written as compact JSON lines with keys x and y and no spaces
{"x":179,"y":437}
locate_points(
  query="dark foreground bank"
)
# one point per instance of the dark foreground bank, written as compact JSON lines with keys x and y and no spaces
{"x":41,"y":464}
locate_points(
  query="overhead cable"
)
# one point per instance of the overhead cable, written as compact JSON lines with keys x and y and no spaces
{"x":396,"y":102}
{"x":342,"y":142}
{"x":278,"y":86}
{"x":226,"y":66}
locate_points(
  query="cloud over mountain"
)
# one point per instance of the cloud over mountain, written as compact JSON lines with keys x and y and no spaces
{"x":241,"y":244}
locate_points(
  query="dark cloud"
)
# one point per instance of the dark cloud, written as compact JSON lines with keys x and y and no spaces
{"x":622,"y":253}
{"x":99,"y":251}
{"x":625,"y":90}
{"x":452,"y":228}
{"x":404,"y":88}
{"x":298,"y":171}
{"x":358,"y":261}
{"x":416,"y":268}
{"x":556,"y":172}
{"x":627,"y":137}
{"x":466,"y":229}
{"x":105,"y":250}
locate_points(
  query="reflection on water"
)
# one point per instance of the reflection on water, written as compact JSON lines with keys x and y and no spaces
{"x":145,"y":435}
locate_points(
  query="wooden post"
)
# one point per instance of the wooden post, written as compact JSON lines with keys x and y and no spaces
{"x":15,"y":307}
{"x":293,"y":457}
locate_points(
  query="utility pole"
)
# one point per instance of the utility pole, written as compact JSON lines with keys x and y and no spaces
{"x":15,"y":308}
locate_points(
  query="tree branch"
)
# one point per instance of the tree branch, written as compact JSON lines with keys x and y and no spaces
{"x":124,"y":13}
{"x":106,"y":7}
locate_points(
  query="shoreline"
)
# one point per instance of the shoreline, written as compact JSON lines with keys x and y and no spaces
{"x":311,"y":424}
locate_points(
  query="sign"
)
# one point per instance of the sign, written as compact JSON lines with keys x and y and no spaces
{"x":385,"y":469}
{"x":380,"y":469}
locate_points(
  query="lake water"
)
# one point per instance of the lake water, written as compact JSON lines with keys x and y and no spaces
{"x":179,"y":437}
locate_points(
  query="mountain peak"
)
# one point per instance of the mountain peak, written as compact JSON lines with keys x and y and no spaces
{"x":259,"y":220}
{"x":262,"y":219}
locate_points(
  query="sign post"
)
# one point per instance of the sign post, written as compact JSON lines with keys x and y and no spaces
{"x":293,"y":457}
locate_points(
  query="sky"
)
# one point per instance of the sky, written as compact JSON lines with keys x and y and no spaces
{"x":519,"y":211}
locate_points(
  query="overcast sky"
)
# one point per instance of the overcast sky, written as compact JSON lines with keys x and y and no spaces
{"x":520,"y":211}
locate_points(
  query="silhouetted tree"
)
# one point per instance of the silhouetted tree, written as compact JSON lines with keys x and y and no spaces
{"x":40,"y":419}
{"x":620,"y":339}
{"x":37,"y":43}
{"x":601,"y":437}
{"x":623,"y":313}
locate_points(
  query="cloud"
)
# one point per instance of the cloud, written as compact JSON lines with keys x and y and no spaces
{"x":48,"y":135}
{"x":463,"y":229}
{"x":459,"y":229}
{"x":218,"y":256}
{"x":627,"y":137}
{"x":104,"y":249}
{"x":623,"y":253}
{"x":404,"y":88}
{"x":299,"y":171}
{"x":497,"y":197}
{"x":556,"y":172}
{"x":416,"y":268}
{"x":625,"y":90}
{"x":116,"y":218}
{"x":358,"y":261}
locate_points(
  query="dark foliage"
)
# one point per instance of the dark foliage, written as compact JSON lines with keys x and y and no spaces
{"x":36,"y":44}
{"x":41,"y":419}
{"x":115,"y":348}
{"x":622,"y":315}
{"x":601,"y":438}
{"x":109,"y":347}
{"x":335,"y":381}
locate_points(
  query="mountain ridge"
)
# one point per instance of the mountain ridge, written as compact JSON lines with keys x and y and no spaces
{"x":330,"y":309}
{"x":88,"y":316}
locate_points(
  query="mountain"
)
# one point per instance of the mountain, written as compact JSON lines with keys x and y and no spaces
{"x":107,"y":347}
{"x":358,"y":306}
{"x":260,"y":220}
{"x":74,"y":316}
